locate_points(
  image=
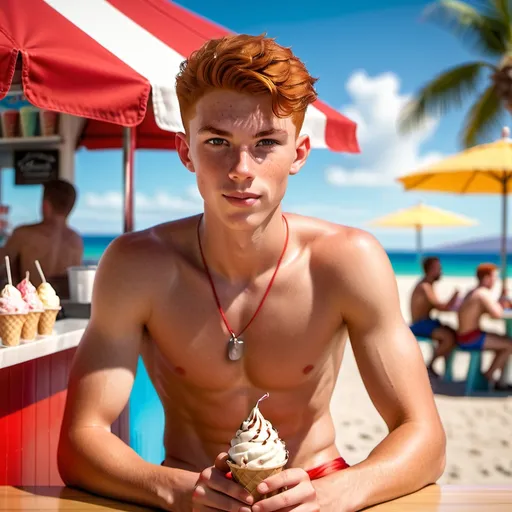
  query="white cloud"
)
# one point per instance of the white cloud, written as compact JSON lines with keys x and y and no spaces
{"x":103,"y":212}
{"x":385,"y":154}
{"x":158,"y":202}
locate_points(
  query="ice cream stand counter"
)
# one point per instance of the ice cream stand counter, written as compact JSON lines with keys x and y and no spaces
{"x":67,"y":59}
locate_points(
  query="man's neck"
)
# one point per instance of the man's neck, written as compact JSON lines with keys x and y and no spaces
{"x":55,"y":222}
{"x":429,"y":280}
{"x":242,"y":254}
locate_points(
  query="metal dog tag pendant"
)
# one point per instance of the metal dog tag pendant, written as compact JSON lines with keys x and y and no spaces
{"x":235,"y":348}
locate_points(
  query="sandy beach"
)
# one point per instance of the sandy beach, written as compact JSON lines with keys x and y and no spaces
{"x":479,"y":429}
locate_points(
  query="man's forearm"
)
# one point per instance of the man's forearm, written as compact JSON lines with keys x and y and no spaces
{"x":96,"y":460}
{"x":409,"y":458}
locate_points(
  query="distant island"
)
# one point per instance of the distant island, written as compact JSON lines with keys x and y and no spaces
{"x":487,"y":245}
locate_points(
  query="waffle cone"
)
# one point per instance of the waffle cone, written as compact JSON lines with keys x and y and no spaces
{"x":47,"y":321}
{"x":10,"y":328}
{"x":249,"y":479}
{"x":29,"y":330}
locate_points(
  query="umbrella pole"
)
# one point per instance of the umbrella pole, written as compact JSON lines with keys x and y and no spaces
{"x":504,"y":236}
{"x":128,"y":162}
{"x":419,"y":243}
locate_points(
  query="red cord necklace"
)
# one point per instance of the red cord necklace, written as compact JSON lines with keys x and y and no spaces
{"x":235,"y":344}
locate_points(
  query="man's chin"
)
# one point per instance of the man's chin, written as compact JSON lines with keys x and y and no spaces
{"x":246,"y":218}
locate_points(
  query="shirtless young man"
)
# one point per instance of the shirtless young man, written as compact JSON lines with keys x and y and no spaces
{"x":423,"y":300}
{"x":154,"y":297}
{"x":50,"y":241}
{"x":478,"y":302}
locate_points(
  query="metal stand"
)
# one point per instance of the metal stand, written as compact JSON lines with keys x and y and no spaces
{"x":129,"y":139}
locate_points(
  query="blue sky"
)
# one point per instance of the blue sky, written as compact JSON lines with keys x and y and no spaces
{"x":369,"y":59}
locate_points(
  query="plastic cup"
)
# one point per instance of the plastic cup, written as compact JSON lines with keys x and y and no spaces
{"x":10,"y":123}
{"x":48,"y":122}
{"x":28,"y":119}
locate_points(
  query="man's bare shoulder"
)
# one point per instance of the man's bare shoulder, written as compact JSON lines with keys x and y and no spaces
{"x":424,"y":286}
{"x":327,"y":239}
{"x":482,"y":294}
{"x":154,"y":245}
{"x":73,"y":237}
{"x":347,"y":252}
{"x":25,"y":229}
{"x":355,"y":268}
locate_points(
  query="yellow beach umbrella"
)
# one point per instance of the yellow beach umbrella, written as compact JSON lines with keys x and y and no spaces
{"x":419,"y":216}
{"x":482,"y":169}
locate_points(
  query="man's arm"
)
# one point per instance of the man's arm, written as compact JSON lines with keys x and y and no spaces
{"x":492,"y":307}
{"x":89,"y":455}
{"x":434,"y":300}
{"x":392,"y":367}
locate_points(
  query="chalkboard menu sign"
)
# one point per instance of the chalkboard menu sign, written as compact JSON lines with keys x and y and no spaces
{"x":35,"y":167}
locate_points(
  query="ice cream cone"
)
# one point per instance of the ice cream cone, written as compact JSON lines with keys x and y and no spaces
{"x":249,"y":479}
{"x":29,"y":330}
{"x":11,"y":325}
{"x":47,"y":321}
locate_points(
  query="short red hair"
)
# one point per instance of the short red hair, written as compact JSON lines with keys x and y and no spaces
{"x":485,"y":269}
{"x":248,"y":64}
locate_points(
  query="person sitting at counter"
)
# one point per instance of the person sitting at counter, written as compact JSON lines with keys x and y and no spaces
{"x":293,"y":291}
{"x":423,"y":301}
{"x":477,"y":303}
{"x":51,"y":241}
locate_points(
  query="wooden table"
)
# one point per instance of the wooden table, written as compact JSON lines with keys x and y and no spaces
{"x":431,"y":499}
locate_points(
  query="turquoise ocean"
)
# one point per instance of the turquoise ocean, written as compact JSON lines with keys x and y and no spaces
{"x":403,"y":262}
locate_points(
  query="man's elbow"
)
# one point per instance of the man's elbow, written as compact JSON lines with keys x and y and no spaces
{"x":64,"y":458}
{"x":67,"y":460}
{"x":437,"y":449}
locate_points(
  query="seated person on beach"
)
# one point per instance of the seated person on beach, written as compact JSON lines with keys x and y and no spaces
{"x":185,"y":293}
{"x":50,"y":241}
{"x":423,"y":300}
{"x":479,"y":302}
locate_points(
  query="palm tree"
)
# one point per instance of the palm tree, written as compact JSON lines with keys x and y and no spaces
{"x":488,"y":28}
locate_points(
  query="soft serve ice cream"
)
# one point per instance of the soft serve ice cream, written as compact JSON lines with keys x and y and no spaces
{"x":256,"y":452}
{"x":51,"y":303}
{"x":48,"y":296}
{"x":29,"y":294}
{"x":11,"y":301}
{"x":256,"y":444}
{"x":13,"y":314}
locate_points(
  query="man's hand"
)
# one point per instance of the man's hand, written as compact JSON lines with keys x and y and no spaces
{"x":214,"y":491}
{"x":298,"y":493}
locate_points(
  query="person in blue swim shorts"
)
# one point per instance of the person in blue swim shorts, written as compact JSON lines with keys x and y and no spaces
{"x":478,"y":302}
{"x":423,"y":301}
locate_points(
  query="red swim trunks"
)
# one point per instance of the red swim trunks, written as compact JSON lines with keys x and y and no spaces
{"x":323,"y":470}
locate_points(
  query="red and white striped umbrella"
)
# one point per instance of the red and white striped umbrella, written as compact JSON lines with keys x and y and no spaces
{"x":100,"y":59}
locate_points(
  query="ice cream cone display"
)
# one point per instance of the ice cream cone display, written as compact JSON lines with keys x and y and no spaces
{"x":47,"y":322}
{"x":29,"y":331}
{"x":13,"y":312}
{"x":256,"y":452}
{"x":11,"y":325}
{"x":51,"y":305}
{"x":35,"y":308}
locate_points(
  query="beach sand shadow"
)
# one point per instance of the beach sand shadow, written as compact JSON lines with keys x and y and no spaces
{"x":458,"y":388}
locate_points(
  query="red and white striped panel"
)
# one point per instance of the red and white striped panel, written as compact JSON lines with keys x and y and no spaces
{"x":104,"y":70}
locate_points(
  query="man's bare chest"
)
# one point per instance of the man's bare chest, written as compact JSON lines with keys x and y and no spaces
{"x":296,"y":329}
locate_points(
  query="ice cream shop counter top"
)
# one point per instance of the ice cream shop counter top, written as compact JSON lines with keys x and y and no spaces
{"x":67,"y":334}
